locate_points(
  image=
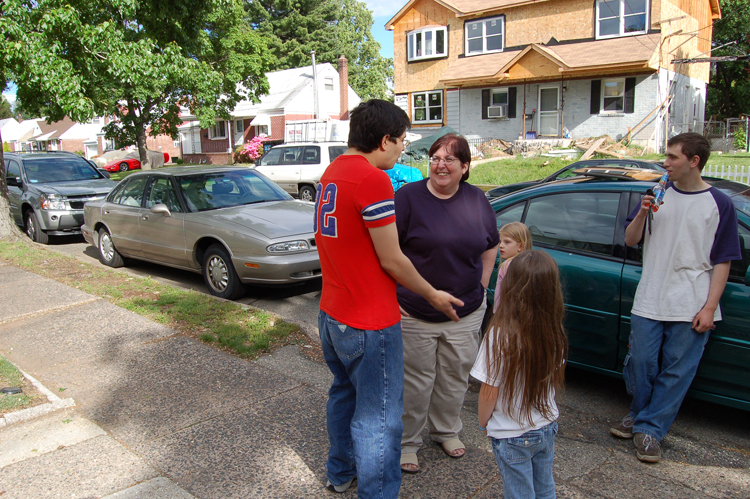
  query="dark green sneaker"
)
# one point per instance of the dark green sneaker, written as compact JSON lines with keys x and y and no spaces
{"x":624,"y":429}
{"x":647,"y":448}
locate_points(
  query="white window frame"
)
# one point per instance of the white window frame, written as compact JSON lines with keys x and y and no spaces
{"x":484,"y":23}
{"x":218,"y":127}
{"x":602,"y":108}
{"x":262,"y":129}
{"x":622,"y":19}
{"x":421,"y":35}
{"x":426,"y":107}
{"x":498,"y":91}
{"x":328,"y":83}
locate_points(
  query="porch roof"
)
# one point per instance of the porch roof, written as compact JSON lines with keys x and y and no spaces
{"x":589,"y":58}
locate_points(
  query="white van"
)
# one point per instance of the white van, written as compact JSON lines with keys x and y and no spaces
{"x":297,"y":167}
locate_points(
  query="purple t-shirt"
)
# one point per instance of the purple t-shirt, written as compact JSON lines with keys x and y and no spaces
{"x":445,"y":239}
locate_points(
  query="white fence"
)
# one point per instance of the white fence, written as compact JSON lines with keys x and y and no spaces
{"x":736,"y":173}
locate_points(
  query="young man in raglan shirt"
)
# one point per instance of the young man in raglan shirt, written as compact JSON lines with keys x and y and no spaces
{"x":359,"y":321}
{"x":687,"y":253}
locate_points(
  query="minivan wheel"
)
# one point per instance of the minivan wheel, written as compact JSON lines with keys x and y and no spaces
{"x":108,"y":255}
{"x":307,"y":193}
{"x":218,"y":272}
{"x":34,"y":228}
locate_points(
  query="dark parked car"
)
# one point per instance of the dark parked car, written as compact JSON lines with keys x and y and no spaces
{"x":231,"y":224}
{"x":47,"y":191}
{"x":568,"y":171}
{"x":580,"y":222}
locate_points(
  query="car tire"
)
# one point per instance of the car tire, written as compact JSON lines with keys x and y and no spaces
{"x":307,"y":193}
{"x":123,"y":167}
{"x":34,"y":228}
{"x":219,"y":274}
{"x":108,"y":254}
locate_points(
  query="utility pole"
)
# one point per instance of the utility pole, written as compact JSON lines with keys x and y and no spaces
{"x":315,"y":85}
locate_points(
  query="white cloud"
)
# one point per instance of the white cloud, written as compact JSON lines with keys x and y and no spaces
{"x":385,"y":8}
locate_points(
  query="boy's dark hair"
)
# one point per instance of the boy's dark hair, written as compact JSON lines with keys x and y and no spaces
{"x":456,"y":145}
{"x":374,"y":119}
{"x":692,"y":144}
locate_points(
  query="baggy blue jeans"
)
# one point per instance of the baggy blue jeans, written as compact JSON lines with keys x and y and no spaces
{"x":365,"y":405}
{"x":525,"y":463}
{"x":658,"y":371}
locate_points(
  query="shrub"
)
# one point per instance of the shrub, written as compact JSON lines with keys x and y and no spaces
{"x":740,"y":139}
{"x":252,"y":150}
{"x":179,"y":161}
{"x":6,"y":147}
{"x":80,"y":153}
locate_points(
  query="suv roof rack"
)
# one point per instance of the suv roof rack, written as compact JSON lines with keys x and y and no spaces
{"x":620,"y":173}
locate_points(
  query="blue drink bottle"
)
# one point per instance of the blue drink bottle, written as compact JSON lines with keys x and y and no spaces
{"x":659,"y":192}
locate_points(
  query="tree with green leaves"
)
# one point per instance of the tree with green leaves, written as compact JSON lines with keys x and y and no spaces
{"x":136,"y":61}
{"x":293,"y":28}
{"x":729,"y":88}
{"x":5,"y":109}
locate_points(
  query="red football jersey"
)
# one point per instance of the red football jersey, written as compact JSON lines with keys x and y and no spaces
{"x":352,"y":197}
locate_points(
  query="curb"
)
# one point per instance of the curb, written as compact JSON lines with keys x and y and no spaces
{"x":54,"y":403}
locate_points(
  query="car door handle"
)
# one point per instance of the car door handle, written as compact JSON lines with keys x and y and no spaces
{"x":106,"y":212}
{"x":144,"y":217}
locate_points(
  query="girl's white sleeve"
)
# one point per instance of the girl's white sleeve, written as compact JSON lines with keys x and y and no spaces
{"x":479,"y":371}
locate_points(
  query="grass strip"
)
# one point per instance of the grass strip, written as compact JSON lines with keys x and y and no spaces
{"x":229,"y":326}
{"x":10,"y":376}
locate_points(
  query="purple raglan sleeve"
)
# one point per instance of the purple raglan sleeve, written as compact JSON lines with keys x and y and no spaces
{"x":726,"y":245}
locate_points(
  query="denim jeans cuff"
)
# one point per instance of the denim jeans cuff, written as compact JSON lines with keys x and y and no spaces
{"x":646,"y":431}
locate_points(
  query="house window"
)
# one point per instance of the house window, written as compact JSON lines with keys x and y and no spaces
{"x":621,"y":17}
{"x":328,"y":83}
{"x":239,"y":126}
{"x":427,"y":43}
{"x":499,"y":96}
{"x":261,"y":130}
{"x":218,"y":130}
{"x":428,"y":107}
{"x":613,"y":95}
{"x":485,"y":35}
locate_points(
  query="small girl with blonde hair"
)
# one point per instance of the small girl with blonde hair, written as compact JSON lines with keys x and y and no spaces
{"x":514,"y":238}
{"x":521,"y":364}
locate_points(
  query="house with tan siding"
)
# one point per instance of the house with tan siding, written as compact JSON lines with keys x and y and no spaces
{"x":513,"y":69}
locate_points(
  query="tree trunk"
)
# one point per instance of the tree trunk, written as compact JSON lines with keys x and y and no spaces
{"x":142,"y":151}
{"x":8,"y":228}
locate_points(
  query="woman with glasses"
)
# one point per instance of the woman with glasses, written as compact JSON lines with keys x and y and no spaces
{"x":447,"y":228}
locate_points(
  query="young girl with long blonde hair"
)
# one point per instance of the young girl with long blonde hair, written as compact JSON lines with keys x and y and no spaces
{"x":514,"y":238}
{"x":521,"y":364}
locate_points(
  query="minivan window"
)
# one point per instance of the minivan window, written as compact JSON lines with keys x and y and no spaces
{"x":572,"y":221}
{"x":510,"y":214}
{"x":271,"y":158}
{"x":739,"y":267}
{"x":292,"y":156}
{"x":311,"y":156}
{"x":335,"y":151}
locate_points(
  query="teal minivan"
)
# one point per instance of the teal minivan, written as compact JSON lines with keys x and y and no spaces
{"x":580,"y":222}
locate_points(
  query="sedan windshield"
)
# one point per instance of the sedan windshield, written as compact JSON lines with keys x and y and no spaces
{"x":211,"y":191}
{"x":44,"y":170}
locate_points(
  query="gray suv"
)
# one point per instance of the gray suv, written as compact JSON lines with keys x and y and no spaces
{"x":47,"y":191}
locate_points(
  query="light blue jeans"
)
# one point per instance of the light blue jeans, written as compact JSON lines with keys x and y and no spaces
{"x":525,"y":463}
{"x":365,"y":405}
{"x":658,"y":371}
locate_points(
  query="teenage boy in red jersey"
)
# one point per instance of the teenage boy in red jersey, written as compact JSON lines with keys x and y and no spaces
{"x":359,"y":321}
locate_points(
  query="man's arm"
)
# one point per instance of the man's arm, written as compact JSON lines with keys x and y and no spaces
{"x":393,"y":260}
{"x":704,"y":320}
{"x":488,"y":263}
{"x":634,"y":231}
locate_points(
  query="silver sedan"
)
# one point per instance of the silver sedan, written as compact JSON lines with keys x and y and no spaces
{"x":231,"y":224}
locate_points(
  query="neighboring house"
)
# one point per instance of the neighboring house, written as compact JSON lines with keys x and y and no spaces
{"x":290,"y":97}
{"x":15,"y":134}
{"x":502,"y":68}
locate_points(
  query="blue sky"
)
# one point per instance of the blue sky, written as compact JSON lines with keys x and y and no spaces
{"x":382,"y":11}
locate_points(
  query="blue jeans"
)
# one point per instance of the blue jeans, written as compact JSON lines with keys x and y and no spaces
{"x":660,"y":367}
{"x":525,"y":463}
{"x":365,"y":405}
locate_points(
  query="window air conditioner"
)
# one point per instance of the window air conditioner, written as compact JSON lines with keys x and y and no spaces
{"x":500,"y":111}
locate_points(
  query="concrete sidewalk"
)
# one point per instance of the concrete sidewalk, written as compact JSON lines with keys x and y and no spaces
{"x":158,"y":415}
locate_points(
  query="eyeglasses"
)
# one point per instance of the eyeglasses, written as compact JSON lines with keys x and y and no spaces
{"x":403,"y":141}
{"x":446,"y":161}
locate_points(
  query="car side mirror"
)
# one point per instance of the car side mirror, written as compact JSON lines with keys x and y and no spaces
{"x":14,"y":181}
{"x":161,"y":209}
{"x":104,"y":172}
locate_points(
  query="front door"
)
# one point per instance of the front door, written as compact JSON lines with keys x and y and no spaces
{"x":549,"y":110}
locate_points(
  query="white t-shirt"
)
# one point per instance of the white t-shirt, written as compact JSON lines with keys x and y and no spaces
{"x":501,"y":425}
{"x":691,"y":232}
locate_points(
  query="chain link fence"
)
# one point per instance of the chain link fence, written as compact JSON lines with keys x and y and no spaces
{"x":720,"y":134}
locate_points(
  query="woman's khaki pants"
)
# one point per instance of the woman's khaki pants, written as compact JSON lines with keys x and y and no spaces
{"x":437,"y":361}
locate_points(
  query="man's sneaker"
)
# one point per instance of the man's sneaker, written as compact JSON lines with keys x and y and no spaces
{"x":647,"y":448}
{"x":339,"y":488}
{"x":624,"y":429}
